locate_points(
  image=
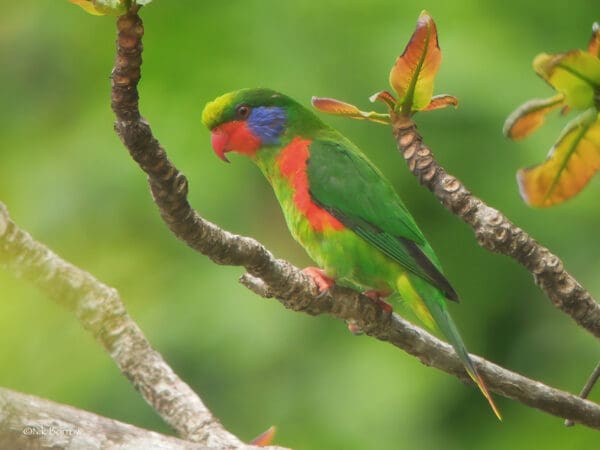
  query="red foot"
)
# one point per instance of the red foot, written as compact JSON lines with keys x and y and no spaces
{"x":377,"y":297}
{"x":323,"y":282}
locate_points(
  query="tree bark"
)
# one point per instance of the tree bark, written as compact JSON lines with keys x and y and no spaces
{"x":271,"y":277}
{"x":28,"y":423}
{"x":494,"y":231}
{"x":101,"y":312}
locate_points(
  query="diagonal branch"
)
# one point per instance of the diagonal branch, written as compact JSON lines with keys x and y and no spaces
{"x":29,"y":422}
{"x":494,"y":231}
{"x":271,"y":277}
{"x":101,"y":312}
{"x":349,"y":305}
{"x":169,"y":186}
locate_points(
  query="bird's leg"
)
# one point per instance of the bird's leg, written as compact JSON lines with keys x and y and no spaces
{"x":322,"y":281}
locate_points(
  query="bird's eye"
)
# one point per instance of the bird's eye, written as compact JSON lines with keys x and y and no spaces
{"x":242,"y":111}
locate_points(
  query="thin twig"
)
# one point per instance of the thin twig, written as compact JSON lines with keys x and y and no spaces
{"x":587,"y":389}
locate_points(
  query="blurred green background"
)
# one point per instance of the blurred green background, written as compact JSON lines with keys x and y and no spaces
{"x":66,"y":178}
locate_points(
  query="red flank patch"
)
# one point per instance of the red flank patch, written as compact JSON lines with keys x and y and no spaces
{"x":292,"y":164}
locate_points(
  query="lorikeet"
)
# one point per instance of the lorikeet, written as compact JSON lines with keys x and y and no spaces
{"x":337,"y":205}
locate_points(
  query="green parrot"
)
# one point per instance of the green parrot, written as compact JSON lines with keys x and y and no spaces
{"x":338,"y":206}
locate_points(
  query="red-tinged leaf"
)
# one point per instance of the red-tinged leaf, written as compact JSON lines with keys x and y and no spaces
{"x":594,"y":45}
{"x":576,"y":74}
{"x":385,"y":97}
{"x":441,"y":101}
{"x":530,"y":116}
{"x":266,"y":438}
{"x":571,"y":163}
{"x":102,"y":7}
{"x":337,"y":107}
{"x":413,"y":75}
{"x":333,"y":106}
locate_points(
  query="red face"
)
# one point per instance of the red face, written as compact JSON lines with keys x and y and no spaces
{"x":234,"y":136}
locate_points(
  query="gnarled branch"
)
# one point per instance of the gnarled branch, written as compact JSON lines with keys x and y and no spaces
{"x":494,"y":231}
{"x":271,"y":277}
{"x":28,"y":423}
{"x":101,"y":312}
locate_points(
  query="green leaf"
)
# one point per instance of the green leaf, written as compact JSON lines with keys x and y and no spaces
{"x":576,"y":74}
{"x":571,"y":163}
{"x":414,"y":72}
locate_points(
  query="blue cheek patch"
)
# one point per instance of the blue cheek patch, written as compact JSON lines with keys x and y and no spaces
{"x":267,"y":123}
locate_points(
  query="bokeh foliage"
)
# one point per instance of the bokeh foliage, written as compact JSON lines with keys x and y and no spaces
{"x":66,"y":178}
{"x":575,"y":157}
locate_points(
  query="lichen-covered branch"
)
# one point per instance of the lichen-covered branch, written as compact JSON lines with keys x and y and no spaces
{"x":495,"y":232}
{"x":271,"y":277}
{"x":28,"y":423}
{"x":101,"y":311}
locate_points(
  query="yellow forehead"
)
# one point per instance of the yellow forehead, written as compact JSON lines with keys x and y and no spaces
{"x":213,"y":110}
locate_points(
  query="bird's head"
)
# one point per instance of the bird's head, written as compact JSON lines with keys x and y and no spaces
{"x":247,"y":120}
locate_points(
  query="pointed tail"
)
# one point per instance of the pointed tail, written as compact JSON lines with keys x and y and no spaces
{"x":447,"y":326}
{"x":429,"y":305}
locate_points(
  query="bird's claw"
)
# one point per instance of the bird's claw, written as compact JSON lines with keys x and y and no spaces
{"x":354,"y":328}
{"x":321,"y":294}
{"x":377,"y":297}
{"x":322,"y":281}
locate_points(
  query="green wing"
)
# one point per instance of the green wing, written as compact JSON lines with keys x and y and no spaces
{"x":346,"y":184}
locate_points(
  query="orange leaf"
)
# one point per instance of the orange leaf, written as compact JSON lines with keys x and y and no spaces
{"x":87,"y":6}
{"x":571,"y":163}
{"x":441,"y":101}
{"x":530,"y":116}
{"x":337,"y":107}
{"x":265,"y":438}
{"x":333,"y":106}
{"x":385,"y":97}
{"x":594,"y":45}
{"x":413,"y":73}
{"x":102,"y":7}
